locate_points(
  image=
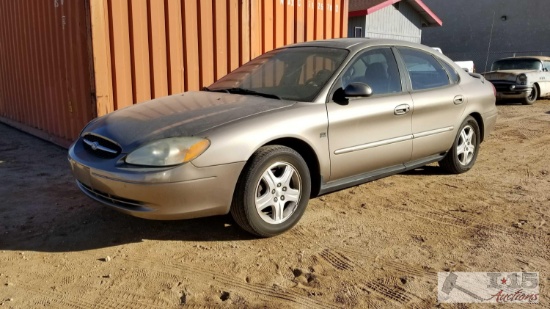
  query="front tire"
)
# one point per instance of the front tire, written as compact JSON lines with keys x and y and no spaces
{"x":532,"y":97}
{"x":272,"y":192}
{"x":463,"y":154}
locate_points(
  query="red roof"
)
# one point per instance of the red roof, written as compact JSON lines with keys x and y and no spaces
{"x":366,"y":7}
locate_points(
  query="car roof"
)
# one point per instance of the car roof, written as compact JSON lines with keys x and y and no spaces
{"x":544,"y":58}
{"x":359,"y":43}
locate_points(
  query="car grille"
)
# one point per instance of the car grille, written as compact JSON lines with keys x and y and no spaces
{"x":502,"y":86}
{"x":111,"y":199}
{"x":100,"y":146}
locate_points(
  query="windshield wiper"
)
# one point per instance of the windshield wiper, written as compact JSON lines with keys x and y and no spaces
{"x":244,"y":91}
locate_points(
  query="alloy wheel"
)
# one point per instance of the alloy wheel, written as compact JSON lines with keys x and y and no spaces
{"x":466,"y":145}
{"x":278,"y":193}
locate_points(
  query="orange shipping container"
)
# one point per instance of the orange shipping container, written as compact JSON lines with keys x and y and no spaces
{"x":64,"y":62}
{"x":46,"y":81}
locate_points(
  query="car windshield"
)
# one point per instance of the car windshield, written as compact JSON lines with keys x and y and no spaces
{"x":294,"y":73}
{"x":516,"y":64}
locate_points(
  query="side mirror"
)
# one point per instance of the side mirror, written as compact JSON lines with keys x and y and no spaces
{"x":357,"y":90}
{"x":353,"y":90}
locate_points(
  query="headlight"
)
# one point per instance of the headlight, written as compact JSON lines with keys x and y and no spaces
{"x":169,"y":151}
{"x":522,"y":79}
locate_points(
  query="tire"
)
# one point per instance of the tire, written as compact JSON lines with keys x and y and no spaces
{"x":532,"y":97}
{"x":463,"y":154}
{"x":272,"y":192}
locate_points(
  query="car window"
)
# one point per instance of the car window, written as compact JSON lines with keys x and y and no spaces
{"x":453,"y":76}
{"x":424,"y":70}
{"x":290,"y":73}
{"x":547,"y":65}
{"x":376,"y":68}
{"x":517,"y":64}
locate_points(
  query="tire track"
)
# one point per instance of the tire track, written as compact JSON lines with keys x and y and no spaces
{"x":112,"y":295}
{"x":122,"y":300}
{"x":125,"y":300}
{"x":336,"y":257}
{"x":396,"y":294}
{"x":115,"y":298}
{"x":337,"y":260}
{"x":417,"y":271}
{"x":258,"y":289}
{"x":197,"y":274}
{"x":454,"y":220}
{"x":381,"y":286}
{"x":399,"y":267}
{"x":517,"y":237}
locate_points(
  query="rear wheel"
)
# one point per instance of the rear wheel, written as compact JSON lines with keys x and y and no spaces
{"x":532,"y":97}
{"x":273,"y":191}
{"x":463,"y":154}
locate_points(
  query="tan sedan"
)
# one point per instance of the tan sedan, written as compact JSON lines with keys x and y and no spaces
{"x":294,"y":123}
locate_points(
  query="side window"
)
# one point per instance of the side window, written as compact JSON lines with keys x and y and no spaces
{"x":424,"y":70}
{"x":547,"y":66}
{"x":453,"y":76}
{"x":376,"y":68}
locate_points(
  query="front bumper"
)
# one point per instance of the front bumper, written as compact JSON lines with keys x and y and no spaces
{"x":180,"y":192}
{"x":511,"y":90}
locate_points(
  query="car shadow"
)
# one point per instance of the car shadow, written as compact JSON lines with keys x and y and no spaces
{"x":41,"y":208}
{"x":508,"y":102}
{"x":428,"y":170}
{"x":94,"y":226}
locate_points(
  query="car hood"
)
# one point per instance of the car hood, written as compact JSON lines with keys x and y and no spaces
{"x":509,"y":75}
{"x":186,"y":114}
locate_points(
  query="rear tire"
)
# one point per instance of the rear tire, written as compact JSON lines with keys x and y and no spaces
{"x":532,"y":97}
{"x":463,"y":154}
{"x":272,"y":192}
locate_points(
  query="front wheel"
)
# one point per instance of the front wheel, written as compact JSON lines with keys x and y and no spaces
{"x":462,"y":155}
{"x":532,"y":97}
{"x":272,"y":192}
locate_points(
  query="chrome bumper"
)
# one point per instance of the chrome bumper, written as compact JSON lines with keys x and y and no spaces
{"x":512,"y":90}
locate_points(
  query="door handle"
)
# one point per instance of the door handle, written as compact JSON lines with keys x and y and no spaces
{"x":401,"y":109}
{"x":459,"y":99}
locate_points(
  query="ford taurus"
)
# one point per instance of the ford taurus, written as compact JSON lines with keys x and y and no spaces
{"x":297,"y":122}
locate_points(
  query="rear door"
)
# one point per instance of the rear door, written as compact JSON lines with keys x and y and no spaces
{"x":438,"y":99}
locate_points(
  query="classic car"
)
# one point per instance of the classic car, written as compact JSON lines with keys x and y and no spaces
{"x":294,"y":123}
{"x":525,"y":78}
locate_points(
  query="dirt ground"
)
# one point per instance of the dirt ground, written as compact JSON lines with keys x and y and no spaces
{"x":377,"y":245}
